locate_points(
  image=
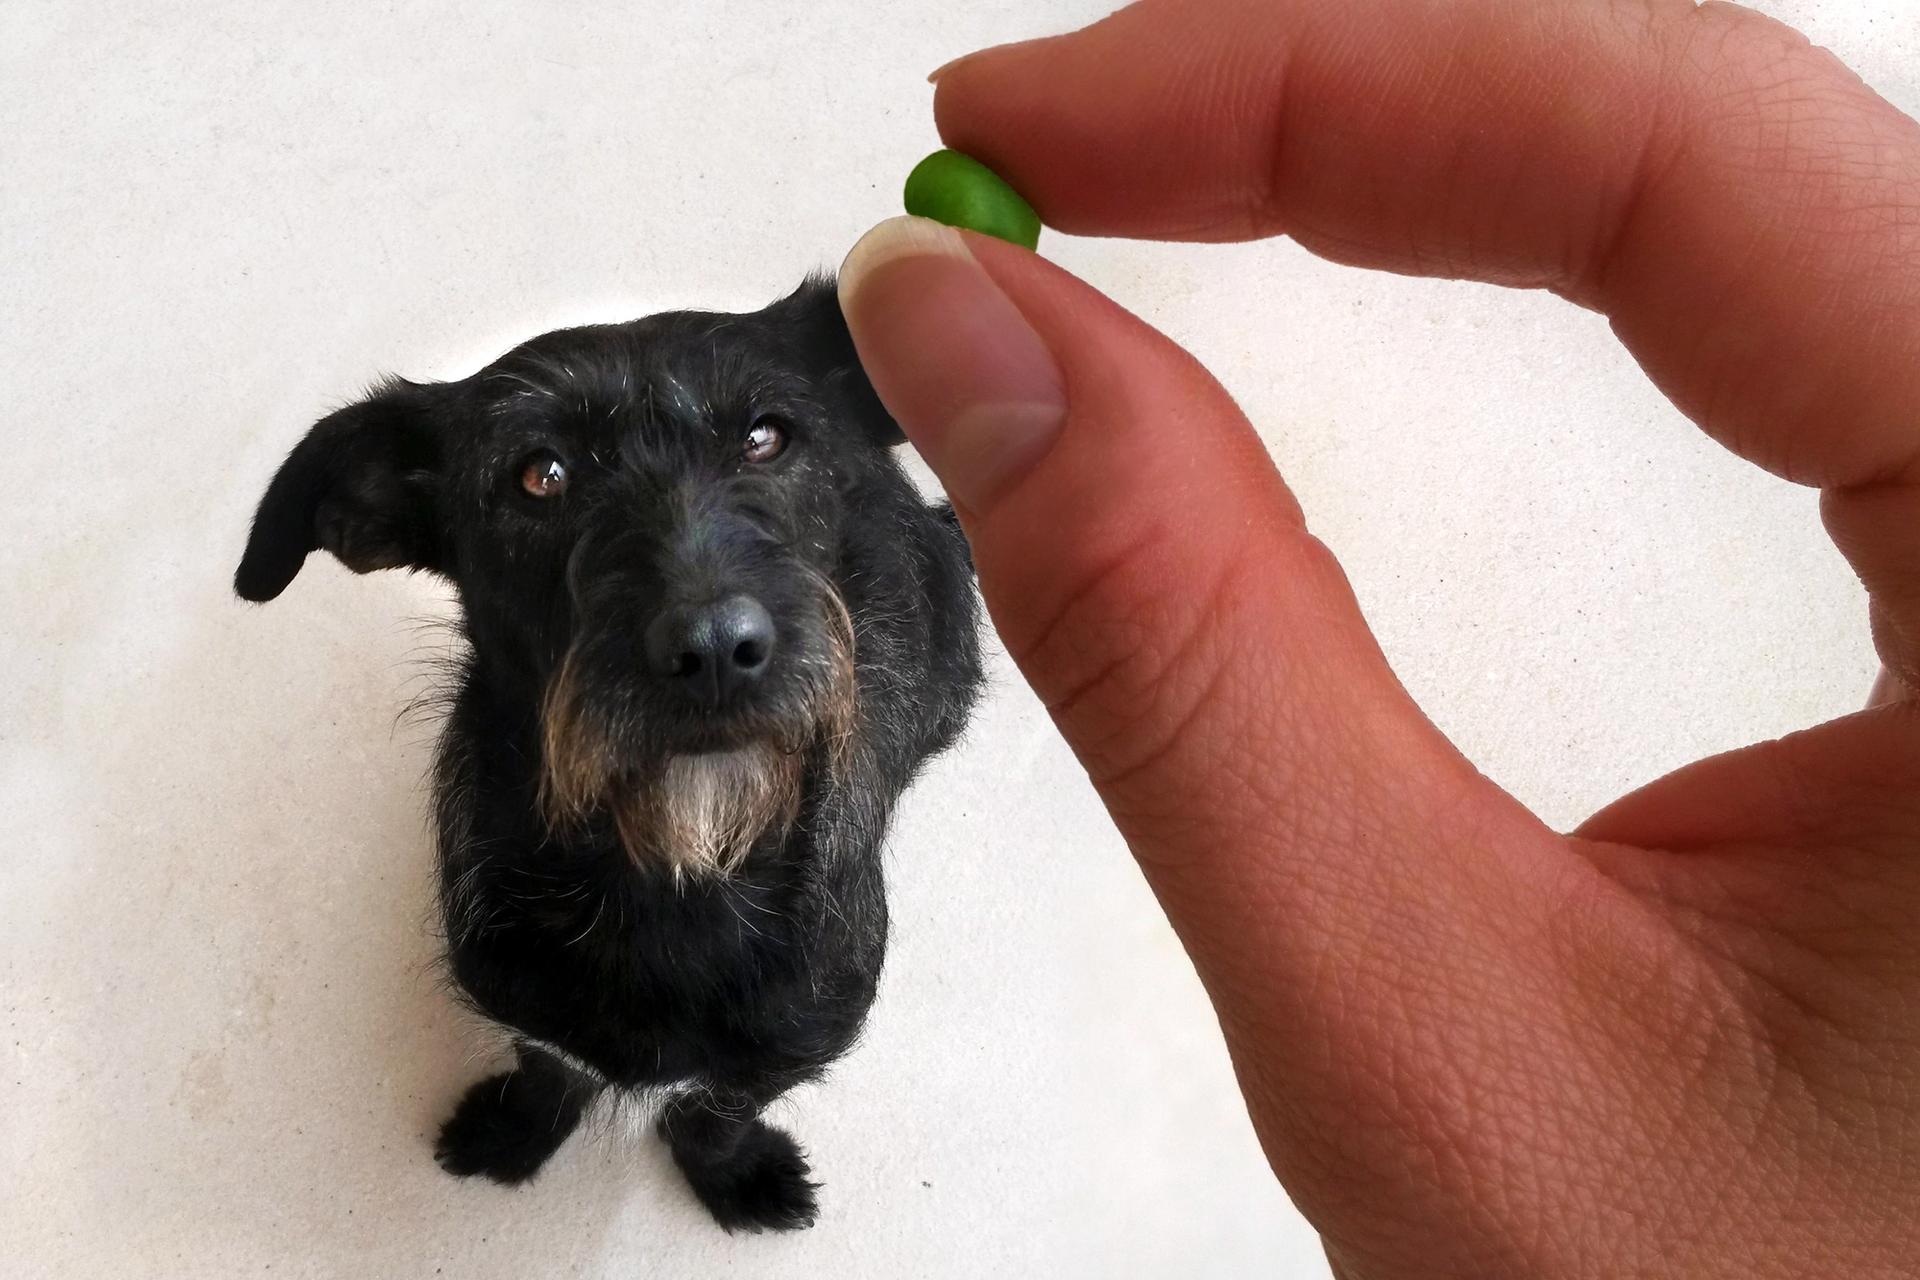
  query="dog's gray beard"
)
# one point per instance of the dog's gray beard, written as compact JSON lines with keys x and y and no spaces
{"x":705,"y":812}
{"x":694,"y":813}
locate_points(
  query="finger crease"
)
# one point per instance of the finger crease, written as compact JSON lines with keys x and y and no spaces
{"x":1130,"y":554}
{"x":1217,"y":594}
{"x":1595,"y":282}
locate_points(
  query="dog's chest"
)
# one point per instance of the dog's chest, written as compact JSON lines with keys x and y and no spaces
{"x":640,"y":979}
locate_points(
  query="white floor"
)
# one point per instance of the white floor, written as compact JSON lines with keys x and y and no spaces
{"x":224,"y":1045}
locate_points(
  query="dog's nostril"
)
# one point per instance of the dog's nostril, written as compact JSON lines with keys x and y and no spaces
{"x":749,"y":653}
{"x":711,"y":651}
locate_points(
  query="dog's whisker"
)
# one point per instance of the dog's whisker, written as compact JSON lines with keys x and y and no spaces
{"x":597,"y":913}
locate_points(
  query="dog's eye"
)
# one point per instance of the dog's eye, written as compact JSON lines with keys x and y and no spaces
{"x":543,"y":476}
{"x":766,"y":440}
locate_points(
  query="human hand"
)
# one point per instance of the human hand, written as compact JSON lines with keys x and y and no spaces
{"x":1684,"y":1040}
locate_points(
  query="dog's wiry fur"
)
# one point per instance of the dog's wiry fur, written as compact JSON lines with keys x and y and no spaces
{"x":703,"y":812}
{"x":655,"y":892}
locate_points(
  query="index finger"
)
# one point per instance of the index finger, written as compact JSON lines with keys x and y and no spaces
{"x":1742,"y":207}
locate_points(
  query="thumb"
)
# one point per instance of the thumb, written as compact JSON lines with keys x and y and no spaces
{"x":1201,"y":652}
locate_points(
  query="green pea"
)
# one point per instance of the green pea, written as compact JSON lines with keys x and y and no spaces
{"x":961,"y":192}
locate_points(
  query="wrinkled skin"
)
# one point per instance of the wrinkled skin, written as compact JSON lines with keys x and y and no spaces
{"x":1682,"y":1040}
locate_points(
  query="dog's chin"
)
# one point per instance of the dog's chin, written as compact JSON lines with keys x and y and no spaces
{"x":705,"y":811}
{"x":695,"y":796}
{"x":713,"y":735}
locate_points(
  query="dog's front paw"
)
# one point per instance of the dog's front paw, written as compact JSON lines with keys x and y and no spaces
{"x":504,"y":1129}
{"x":763,"y":1185}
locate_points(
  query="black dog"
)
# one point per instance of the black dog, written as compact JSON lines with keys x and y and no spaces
{"x":714,"y":632}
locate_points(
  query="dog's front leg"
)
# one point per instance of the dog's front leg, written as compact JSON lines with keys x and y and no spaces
{"x":750,"y":1175}
{"x":508,"y":1124}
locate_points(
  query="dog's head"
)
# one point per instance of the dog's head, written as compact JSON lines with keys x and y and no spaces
{"x":643,"y":523}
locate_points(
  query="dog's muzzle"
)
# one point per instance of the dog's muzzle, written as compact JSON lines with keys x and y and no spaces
{"x":697,"y":772}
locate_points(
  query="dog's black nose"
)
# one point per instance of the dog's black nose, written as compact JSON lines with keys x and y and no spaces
{"x":711,"y":651}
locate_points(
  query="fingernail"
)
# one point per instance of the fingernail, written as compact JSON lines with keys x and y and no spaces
{"x":954,"y":361}
{"x":933,"y":77}
{"x":1888,"y":688}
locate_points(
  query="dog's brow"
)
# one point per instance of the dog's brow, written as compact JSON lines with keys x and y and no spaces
{"x":679,"y":398}
{"x":528,"y":385}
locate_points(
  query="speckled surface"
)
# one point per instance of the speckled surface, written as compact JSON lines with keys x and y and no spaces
{"x":222,"y":1043}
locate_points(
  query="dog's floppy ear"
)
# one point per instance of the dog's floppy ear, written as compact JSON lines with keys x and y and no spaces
{"x":362,"y":485}
{"x":811,"y":314}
